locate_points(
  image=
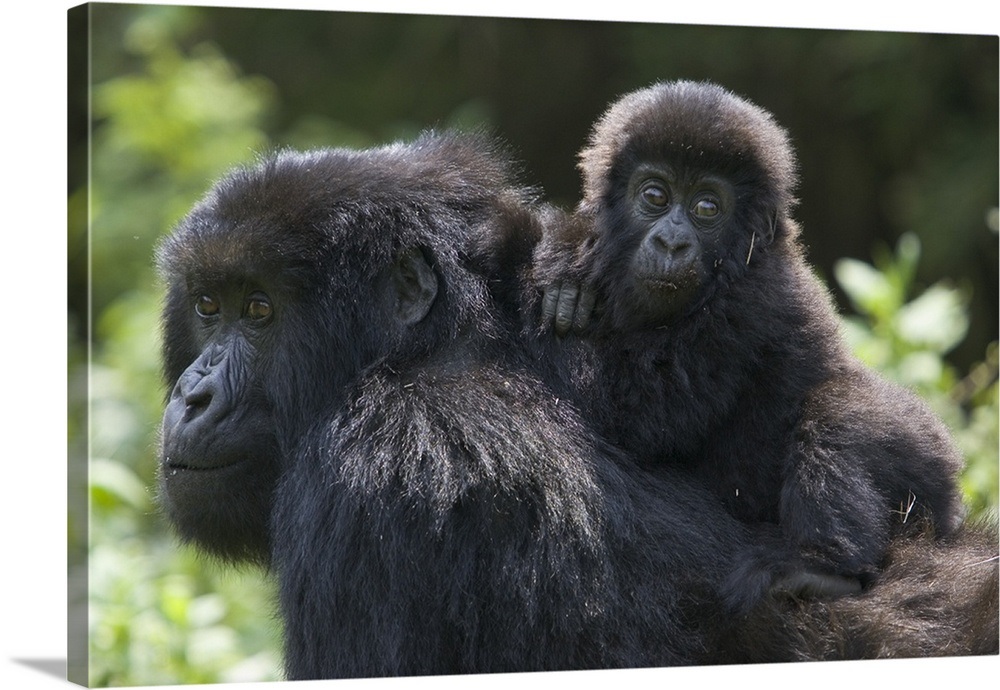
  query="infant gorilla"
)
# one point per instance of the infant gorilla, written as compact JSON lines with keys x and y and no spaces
{"x":713,"y":346}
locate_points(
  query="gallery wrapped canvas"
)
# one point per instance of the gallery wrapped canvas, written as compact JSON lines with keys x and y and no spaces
{"x":426,"y":345}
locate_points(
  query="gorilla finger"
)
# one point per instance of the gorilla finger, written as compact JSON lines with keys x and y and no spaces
{"x":584,"y":309}
{"x":549,"y":302}
{"x":807,"y":584}
{"x":567,"y":306}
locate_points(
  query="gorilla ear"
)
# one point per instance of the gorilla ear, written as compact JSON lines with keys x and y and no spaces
{"x":772,"y":227}
{"x":415,"y":287}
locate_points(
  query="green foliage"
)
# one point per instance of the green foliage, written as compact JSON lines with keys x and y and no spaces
{"x":164,"y":134}
{"x":158,"y":614}
{"x":907,"y":336}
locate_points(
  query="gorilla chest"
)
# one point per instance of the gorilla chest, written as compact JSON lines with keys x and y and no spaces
{"x":663,"y":410}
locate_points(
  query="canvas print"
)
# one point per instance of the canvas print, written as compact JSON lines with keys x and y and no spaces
{"x":414,"y":345}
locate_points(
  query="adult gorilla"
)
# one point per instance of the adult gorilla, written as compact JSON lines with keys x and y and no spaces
{"x":438,"y":509}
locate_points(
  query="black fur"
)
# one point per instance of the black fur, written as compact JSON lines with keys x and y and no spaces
{"x":736,"y":367}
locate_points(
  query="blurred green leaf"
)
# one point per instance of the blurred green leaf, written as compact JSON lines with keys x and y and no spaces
{"x":112,"y":483}
{"x":906,"y":341}
{"x":869,"y":289}
{"x":936,"y":319}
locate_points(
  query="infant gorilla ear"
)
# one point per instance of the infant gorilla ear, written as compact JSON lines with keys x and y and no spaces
{"x":716,"y":348}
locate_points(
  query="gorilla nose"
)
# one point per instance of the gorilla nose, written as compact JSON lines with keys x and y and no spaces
{"x":196,"y":398}
{"x":196,"y":402}
{"x":671,"y":244}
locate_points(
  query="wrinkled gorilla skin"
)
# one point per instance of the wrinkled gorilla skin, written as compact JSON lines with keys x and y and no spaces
{"x":714,"y":347}
{"x":437,"y":509}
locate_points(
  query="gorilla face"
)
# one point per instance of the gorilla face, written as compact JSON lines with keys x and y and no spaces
{"x":275,"y":302}
{"x":219,"y":448}
{"x":675,"y":229}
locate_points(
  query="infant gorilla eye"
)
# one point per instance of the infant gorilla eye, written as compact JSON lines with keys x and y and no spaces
{"x":654,"y":195}
{"x":206,"y":306}
{"x":258,"y":307}
{"x":706,"y":208}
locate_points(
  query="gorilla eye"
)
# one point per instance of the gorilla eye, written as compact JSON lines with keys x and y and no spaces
{"x":258,"y":307}
{"x":706,"y":209}
{"x":206,"y":306}
{"x":654,"y":195}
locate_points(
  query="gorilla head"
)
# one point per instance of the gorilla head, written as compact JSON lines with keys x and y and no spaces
{"x":275,"y":302}
{"x":687,"y":181}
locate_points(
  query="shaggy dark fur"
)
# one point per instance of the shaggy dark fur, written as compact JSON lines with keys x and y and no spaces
{"x":716,"y":348}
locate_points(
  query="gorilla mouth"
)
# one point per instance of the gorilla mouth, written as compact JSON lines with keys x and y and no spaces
{"x":171,"y":468}
{"x":662,"y":284}
{"x":670,"y":285}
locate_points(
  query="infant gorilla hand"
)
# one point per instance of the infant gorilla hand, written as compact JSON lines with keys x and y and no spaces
{"x":806,"y":584}
{"x":773,"y":568}
{"x":568,"y":307}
